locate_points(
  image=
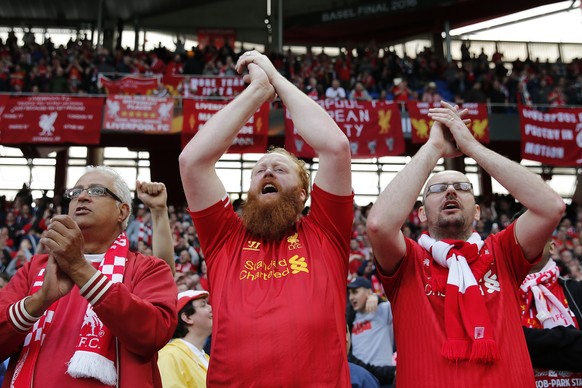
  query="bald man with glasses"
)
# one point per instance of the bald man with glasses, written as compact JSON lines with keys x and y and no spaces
{"x":90,"y":313}
{"x":454,"y":296}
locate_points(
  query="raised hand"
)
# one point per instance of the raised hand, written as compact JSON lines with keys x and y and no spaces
{"x":152,"y":194}
{"x":258,"y":59}
{"x":454,"y":127}
{"x":441,"y":138}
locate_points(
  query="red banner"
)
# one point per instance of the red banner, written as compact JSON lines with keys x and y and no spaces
{"x":129,"y":84}
{"x":373,"y":128}
{"x":173,"y":83}
{"x":45,"y":119}
{"x":139,"y":113}
{"x":553,"y":138}
{"x":420,"y":123}
{"x":4,"y":98}
{"x":216,"y":37}
{"x":215,"y":86}
{"x":251,"y":138}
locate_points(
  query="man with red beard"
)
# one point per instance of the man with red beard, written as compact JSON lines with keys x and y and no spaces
{"x":277,"y":279}
{"x":464,"y":329}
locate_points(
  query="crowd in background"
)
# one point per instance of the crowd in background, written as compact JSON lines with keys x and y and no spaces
{"x":363,"y":72}
{"x":23,"y":220}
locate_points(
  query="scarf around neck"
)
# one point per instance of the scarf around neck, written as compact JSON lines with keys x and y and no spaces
{"x":94,"y":356}
{"x":468,"y":329}
{"x":542,"y":296}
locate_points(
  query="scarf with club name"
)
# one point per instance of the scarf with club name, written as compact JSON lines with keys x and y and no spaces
{"x":467,"y":324}
{"x":544,"y":304}
{"x":94,"y":355}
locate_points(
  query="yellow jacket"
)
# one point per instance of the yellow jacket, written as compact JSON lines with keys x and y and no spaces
{"x":180,"y":367}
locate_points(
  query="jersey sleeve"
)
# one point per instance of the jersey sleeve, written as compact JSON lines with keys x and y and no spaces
{"x":13,"y":328}
{"x":507,"y":249}
{"x":391,"y":283}
{"x":334,"y":214}
{"x":141,"y":311}
{"x":214,"y":224}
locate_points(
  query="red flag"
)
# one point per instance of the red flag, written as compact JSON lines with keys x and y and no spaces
{"x":46,"y":119}
{"x":251,"y":138}
{"x":420,"y":123}
{"x":373,"y":128}
{"x":129,"y":84}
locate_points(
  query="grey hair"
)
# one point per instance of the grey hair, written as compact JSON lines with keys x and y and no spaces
{"x":120,"y":187}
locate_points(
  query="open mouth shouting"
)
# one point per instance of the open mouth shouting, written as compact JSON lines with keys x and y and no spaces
{"x":269,"y":188}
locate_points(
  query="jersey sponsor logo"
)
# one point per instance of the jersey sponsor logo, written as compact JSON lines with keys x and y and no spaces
{"x":361,"y":327}
{"x":265,"y":270}
{"x":298,"y":264}
{"x":252,"y":246}
{"x":490,"y":282}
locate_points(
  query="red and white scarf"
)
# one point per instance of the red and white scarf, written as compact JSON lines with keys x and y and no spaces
{"x":541,"y":299}
{"x":467,"y":324}
{"x":94,"y":356}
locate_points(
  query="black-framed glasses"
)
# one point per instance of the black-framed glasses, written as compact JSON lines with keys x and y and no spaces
{"x":93,"y":191}
{"x":442,"y":187}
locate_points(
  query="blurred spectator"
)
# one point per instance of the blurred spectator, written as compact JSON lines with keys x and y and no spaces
{"x":335,"y":91}
{"x":430,"y":93}
{"x":359,"y":93}
{"x":401,"y":91}
{"x":313,"y":89}
{"x":476,"y":94}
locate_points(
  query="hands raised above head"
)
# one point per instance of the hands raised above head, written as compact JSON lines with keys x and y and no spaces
{"x":258,"y":59}
{"x":260,"y":71}
{"x":449,"y":131}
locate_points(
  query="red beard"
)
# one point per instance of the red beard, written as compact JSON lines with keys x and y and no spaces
{"x":271,"y":220}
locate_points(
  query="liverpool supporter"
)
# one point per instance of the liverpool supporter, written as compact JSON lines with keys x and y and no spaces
{"x":464,"y":329}
{"x":551,"y":316}
{"x":277,"y":280}
{"x":91,"y":312}
{"x":155,"y":197}
{"x":335,"y":91}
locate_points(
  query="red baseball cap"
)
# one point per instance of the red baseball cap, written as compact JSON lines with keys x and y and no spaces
{"x":186,"y":297}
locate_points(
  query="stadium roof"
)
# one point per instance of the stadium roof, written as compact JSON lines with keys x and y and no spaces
{"x":306,"y":22}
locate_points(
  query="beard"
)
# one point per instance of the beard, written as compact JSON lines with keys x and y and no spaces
{"x":272,"y":219}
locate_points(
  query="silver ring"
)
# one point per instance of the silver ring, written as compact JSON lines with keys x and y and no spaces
{"x":248,"y":53}
{"x":451,"y":118}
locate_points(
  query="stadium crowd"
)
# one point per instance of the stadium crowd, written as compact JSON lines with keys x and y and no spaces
{"x":363,"y":72}
{"x":73,"y":69}
{"x":24,"y":219}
